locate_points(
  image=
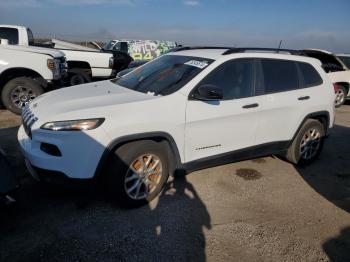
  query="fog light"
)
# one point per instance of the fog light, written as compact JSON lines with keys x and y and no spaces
{"x":50,"y":149}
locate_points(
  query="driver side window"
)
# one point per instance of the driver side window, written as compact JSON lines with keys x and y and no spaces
{"x":234,"y":77}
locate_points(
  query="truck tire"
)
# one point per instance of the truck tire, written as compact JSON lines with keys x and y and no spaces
{"x":78,"y":77}
{"x":19,"y":91}
{"x":137,"y":172}
{"x":307,"y":144}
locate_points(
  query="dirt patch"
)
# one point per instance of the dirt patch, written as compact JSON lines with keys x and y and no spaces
{"x":248,"y":174}
{"x":8,"y":119}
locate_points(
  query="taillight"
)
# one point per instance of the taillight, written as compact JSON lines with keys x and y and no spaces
{"x":336,"y":88}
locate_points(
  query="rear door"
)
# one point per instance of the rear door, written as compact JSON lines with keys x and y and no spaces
{"x":284,"y":102}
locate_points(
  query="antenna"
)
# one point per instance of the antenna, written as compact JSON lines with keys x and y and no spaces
{"x":279,"y":46}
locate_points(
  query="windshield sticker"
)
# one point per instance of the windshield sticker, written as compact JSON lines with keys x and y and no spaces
{"x":199,"y":64}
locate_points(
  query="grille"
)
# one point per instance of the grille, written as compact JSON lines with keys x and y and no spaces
{"x":28,"y":119}
{"x":63,"y":65}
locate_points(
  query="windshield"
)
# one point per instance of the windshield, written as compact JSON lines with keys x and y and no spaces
{"x":165,"y":75}
{"x":346,"y":60}
{"x":109,"y":45}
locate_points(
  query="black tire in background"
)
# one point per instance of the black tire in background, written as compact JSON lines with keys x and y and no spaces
{"x":294,"y":152}
{"x":119,"y":168}
{"x":19,"y":91}
{"x":78,"y":77}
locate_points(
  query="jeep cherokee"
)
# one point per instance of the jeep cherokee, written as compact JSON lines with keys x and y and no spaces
{"x":184,"y":111}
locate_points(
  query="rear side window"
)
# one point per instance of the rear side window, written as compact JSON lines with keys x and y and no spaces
{"x":11,"y":34}
{"x":234,"y":78}
{"x":279,"y":75}
{"x":310,"y":75}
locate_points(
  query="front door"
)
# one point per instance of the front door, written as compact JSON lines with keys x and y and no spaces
{"x":217,"y":127}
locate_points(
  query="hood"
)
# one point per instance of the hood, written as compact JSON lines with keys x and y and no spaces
{"x":39,"y":50}
{"x":82,"y":101}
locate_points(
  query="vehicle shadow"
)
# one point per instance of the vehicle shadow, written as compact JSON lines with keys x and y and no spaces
{"x":338,"y":248}
{"x":330,"y":174}
{"x":330,"y":177}
{"x":77,"y":223}
{"x":9,"y":144}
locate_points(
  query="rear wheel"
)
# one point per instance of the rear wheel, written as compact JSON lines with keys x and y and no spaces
{"x":78,"y":77}
{"x":340,"y":96}
{"x":138,"y":172}
{"x":19,"y":91}
{"x":308,"y":143}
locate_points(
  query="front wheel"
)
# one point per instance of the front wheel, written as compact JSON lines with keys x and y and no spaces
{"x":138,"y":172}
{"x":18,"y":92}
{"x":307,"y":144}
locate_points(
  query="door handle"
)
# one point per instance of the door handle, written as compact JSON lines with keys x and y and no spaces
{"x":250,"y":106}
{"x":304,"y":98}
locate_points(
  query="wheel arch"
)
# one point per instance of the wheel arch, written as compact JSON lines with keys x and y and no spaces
{"x":322,"y":116}
{"x":154,"y":136}
{"x":12,"y":73}
{"x":76,"y":66}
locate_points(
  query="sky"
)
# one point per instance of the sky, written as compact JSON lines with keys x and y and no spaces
{"x":298,"y":23}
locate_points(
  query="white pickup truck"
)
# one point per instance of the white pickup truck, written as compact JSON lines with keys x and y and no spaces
{"x":83,"y":65}
{"x":26,"y":72}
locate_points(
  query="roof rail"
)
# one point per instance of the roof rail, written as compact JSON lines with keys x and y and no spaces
{"x":184,"y":48}
{"x":276,"y":50}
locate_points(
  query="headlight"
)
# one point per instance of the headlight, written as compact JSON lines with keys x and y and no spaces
{"x":73,"y":125}
{"x":54,"y":66}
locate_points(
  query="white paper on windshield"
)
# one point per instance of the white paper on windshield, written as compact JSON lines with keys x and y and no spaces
{"x":199,"y":64}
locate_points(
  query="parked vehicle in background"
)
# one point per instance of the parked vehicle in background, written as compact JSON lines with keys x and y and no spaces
{"x":132,"y":66}
{"x":186,"y":110}
{"x":140,"y":49}
{"x":83,"y":65}
{"x":337,"y":71}
{"x":345,"y":58}
{"x":27,"y":72}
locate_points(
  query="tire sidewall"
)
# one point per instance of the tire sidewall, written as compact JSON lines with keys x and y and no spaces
{"x":84,"y":78}
{"x":308,"y":125}
{"x":10,"y":85}
{"x":120,"y":165}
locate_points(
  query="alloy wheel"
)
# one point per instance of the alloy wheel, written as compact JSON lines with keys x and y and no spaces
{"x":21,"y":95}
{"x":339,"y":97}
{"x":143,"y":176}
{"x":310,"y":143}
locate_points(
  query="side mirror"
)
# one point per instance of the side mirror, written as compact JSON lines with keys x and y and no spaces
{"x":207,"y":93}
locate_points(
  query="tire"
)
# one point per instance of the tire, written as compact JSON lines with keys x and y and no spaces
{"x":78,"y":77}
{"x":19,"y":91}
{"x":340,"y":96}
{"x":304,"y":155}
{"x":125,"y":185}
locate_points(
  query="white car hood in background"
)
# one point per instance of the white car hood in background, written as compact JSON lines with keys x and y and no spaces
{"x":84,"y":97}
{"x":40,"y":50}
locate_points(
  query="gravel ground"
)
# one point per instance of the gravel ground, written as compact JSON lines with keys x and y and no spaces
{"x":258,"y":210}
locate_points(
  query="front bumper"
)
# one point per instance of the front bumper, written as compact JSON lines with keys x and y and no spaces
{"x":80,"y":152}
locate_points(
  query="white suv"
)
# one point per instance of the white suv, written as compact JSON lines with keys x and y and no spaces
{"x":187,"y":110}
